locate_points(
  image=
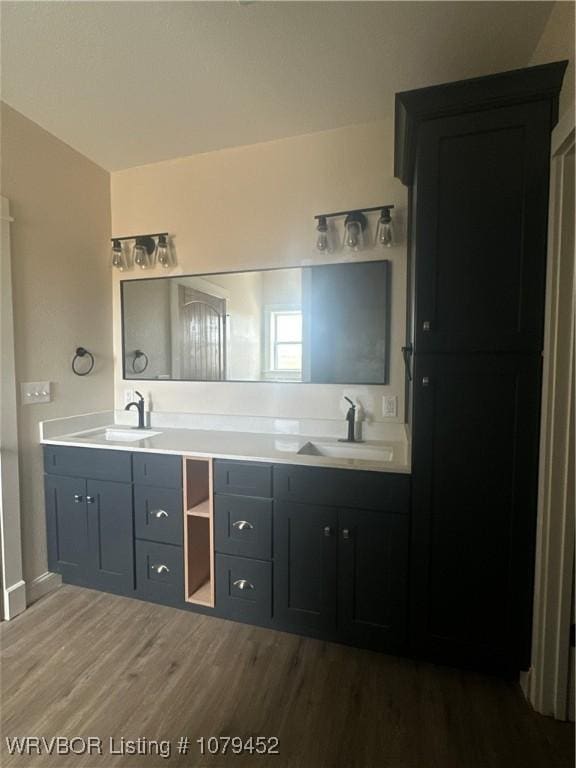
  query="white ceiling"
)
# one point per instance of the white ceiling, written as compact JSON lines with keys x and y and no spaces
{"x":129,"y":83}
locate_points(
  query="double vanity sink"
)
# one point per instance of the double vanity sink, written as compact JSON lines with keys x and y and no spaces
{"x":296,"y":449}
{"x":239,"y":525}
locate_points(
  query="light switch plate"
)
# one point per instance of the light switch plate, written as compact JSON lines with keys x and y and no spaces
{"x":390,"y":406}
{"x":33,"y":392}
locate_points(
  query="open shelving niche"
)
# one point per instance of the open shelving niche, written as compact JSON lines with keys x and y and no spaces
{"x":198,"y":532}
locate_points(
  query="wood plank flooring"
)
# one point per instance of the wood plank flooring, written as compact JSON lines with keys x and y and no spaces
{"x":84,"y":663}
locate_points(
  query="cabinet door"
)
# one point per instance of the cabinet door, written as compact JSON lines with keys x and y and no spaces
{"x":305,"y":584}
{"x":475,"y":471}
{"x":481,"y":213}
{"x":372,"y":579}
{"x":67,"y":528}
{"x":111,"y":535}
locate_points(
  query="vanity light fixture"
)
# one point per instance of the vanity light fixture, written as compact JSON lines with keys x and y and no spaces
{"x":145,"y":251}
{"x":322,"y":243}
{"x":384,"y":235}
{"x":118,"y":261}
{"x":162,"y":252}
{"x":355,"y":228}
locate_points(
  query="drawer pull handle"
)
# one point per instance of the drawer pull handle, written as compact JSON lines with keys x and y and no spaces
{"x":345,"y":533}
{"x":327,"y":531}
{"x":243,"y":525}
{"x":77,"y":498}
{"x":159,"y":513}
{"x":90,"y":500}
{"x":242,"y":584}
{"x":161,"y":568}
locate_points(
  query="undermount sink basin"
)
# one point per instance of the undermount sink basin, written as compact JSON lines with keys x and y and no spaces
{"x":127,"y":435}
{"x":347,"y":451}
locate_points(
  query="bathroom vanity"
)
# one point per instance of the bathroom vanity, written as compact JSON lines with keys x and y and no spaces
{"x":317,"y":550}
{"x":428,"y":552}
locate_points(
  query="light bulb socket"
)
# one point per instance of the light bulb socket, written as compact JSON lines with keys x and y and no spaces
{"x":385,"y":216}
{"x":322,"y":224}
{"x":356,"y":217}
{"x":146,"y":242}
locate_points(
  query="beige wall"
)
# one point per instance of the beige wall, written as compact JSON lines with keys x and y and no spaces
{"x":254,"y":206}
{"x":61,"y":286}
{"x":557,"y":43}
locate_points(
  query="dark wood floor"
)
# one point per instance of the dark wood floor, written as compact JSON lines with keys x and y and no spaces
{"x":83,"y":663}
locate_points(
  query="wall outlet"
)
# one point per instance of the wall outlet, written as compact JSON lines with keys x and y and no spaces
{"x":33,"y":392}
{"x":129,"y":396}
{"x":390,"y":406}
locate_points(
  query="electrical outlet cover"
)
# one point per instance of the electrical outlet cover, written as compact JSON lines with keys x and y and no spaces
{"x":390,"y":406}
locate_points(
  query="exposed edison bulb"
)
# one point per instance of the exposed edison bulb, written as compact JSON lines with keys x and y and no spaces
{"x":162,"y":252}
{"x":384,"y":235}
{"x":354,"y":227}
{"x":140,"y":255}
{"x":117,"y":255}
{"x":322,"y":238}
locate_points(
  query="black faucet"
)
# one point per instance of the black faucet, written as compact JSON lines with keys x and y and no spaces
{"x":351,"y":419}
{"x":139,"y":405}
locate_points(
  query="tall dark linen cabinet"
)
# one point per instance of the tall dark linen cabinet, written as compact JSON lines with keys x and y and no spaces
{"x":475,"y":156}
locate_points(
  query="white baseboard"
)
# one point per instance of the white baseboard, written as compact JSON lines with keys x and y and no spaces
{"x":14,"y":600}
{"x":42,"y":585}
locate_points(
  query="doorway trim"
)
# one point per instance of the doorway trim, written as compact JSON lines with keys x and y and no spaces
{"x":13,"y":591}
{"x":546,"y":685}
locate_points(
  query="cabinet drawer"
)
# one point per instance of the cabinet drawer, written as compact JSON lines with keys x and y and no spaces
{"x":93,"y":463}
{"x":158,"y":514}
{"x":159,"y":572}
{"x":243,"y":478}
{"x":243,"y":526}
{"x":243,"y":588}
{"x":158,"y":470}
{"x":342,"y":488}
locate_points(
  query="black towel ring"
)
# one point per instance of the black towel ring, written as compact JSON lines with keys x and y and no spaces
{"x":81,"y":352}
{"x":137,"y":355}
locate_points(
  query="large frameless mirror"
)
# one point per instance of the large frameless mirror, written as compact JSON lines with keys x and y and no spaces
{"x":326,"y":324}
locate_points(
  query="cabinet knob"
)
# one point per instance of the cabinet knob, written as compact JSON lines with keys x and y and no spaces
{"x":426,"y":325}
{"x":161,"y":568}
{"x":243,"y":525}
{"x":159,"y":513}
{"x":346,"y":533}
{"x":78,"y":498}
{"x":242,"y":584}
{"x":425,"y":381}
{"x":90,"y":499}
{"x":327,"y":531}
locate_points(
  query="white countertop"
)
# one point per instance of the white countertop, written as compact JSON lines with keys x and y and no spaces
{"x":247,"y":446}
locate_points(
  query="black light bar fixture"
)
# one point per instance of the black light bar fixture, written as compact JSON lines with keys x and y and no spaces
{"x":355,"y":229}
{"x":146,"y":251}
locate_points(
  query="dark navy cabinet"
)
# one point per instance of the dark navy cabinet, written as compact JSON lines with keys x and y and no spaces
{"x":475,"y":155}
{"x":341,"y":573}
{"x":90,"y":532}
{"x":317,"y":551}
{"x":305,"y":578}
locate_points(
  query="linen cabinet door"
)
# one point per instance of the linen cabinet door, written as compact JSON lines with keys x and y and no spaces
{"x":475,"y":470}
{"x":305,"y":566}
{"x":67,"y":528}
{"x":481,"y":212}
{"x":372,"y":578}
{"x":111,"y":535}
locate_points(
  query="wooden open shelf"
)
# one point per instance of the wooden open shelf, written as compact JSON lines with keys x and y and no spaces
{"x":198,"y":532}
{"x":200,"y":510}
